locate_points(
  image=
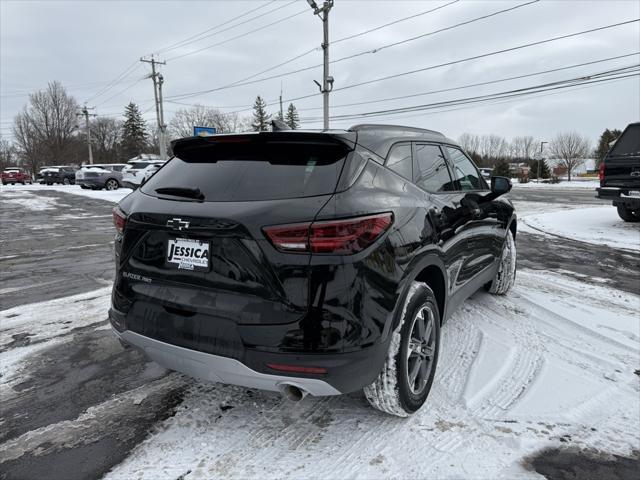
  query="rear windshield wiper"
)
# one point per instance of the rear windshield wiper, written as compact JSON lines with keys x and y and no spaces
{"x":189,"y":192}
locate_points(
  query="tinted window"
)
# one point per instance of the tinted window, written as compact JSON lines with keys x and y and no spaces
{"x":254,"y":170}
{"x":465,"y":171}
{"x":400,"y":160}
{"x":629,"y":142}
{"x":433,"y":174}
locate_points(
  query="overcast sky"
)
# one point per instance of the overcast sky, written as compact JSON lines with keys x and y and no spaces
{"x":87,"y":44}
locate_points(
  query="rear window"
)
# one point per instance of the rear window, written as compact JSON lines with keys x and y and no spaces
{"x":629,"y":142}
{"x":255,"y":170}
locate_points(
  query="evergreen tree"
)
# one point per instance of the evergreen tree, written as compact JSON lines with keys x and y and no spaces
{"x":544,"y":169}
{"x":501,"y":169}
{"x":134,"y":132}
{"x":260,"y":117}
{"x":291,"y":118}
{"x":606,"y":138}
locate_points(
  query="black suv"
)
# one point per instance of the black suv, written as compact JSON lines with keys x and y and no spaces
{"x":620,"y":174}
{"x":309,"y":262}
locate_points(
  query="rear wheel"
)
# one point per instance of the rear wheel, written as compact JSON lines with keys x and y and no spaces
{"x":506,"y":274}
{"x":627,"y":214}
{"x":111,"y":184}
{"x":66,"y":181}
{"x":404,"y":383}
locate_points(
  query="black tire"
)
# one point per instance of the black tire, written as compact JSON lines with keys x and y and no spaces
{"x":506,"y":274}
{"x":66,"y":181}
{"x":627,"y":214}
{"x":111,"y":184}
{"x":393,"y":391}
{"x":84,"y":187}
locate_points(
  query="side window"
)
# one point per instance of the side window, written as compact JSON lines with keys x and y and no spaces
{"x":399,"y":160}
{"x":433,"y":173}
{"x":465,"y":171}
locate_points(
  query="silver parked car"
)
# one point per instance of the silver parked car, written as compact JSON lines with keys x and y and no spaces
{"x":98,"y":176}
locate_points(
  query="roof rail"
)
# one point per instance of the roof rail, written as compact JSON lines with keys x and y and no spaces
{"x":397,"y":128}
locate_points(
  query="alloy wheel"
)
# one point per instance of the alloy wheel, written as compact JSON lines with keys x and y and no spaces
{"x":421,"y":349}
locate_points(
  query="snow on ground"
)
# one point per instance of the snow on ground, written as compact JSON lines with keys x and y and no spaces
{"x":111,"y":196}
{"x":30,"y":200}
{"x":574,"y":183}
{"x":43,"y":324}
{"x":551,"y":364}
{"x":599,"y":225}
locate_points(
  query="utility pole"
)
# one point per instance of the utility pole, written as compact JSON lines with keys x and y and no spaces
{"x":540,"y":159}
{"x":85,"y":113}
{"x":327,"y":80}
{"x":158,"y":80}
{"x":281,"y":112}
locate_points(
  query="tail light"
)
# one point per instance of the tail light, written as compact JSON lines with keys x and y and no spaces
{"x":119,"y":219}
{"x":296,"y":368}
{"x":338,"y":237}
{"x":601,"y":171}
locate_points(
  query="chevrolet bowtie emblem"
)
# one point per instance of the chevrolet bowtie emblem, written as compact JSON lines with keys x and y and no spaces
{"x":177,"y":224}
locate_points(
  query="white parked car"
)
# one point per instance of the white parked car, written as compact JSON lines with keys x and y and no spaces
{"x":486,"y":172}
{"x":138,"y":168}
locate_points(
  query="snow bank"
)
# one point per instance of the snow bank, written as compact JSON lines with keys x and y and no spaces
{"x":111,"y":196}
{"x":551,"y":364}
{"x":41,"y":325}
{"x":576,"y":184}
{"x":598,"y":225}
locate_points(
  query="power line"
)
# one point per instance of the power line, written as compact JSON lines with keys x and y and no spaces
{"x":192,"y":37}
{"x":193,"y":52}
{"x":349,"y":57}
{"x":489,"y":82}
{"x":625,"y":72}
{"x":130,"y":69}
{"x":365,"y":32}
{"x":380,"y":27}
{"x":500,"y":101}
{"x":484,"y":55}
{"x":128,"y":87}
{"x":454,"y":62}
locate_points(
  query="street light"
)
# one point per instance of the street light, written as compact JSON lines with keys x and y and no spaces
{"x":312,"y":4}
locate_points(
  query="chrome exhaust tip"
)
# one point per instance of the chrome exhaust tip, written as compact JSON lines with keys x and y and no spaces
{"x":291,"y":392}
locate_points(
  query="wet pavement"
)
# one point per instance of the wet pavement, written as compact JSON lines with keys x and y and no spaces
{"x":61,"y":251}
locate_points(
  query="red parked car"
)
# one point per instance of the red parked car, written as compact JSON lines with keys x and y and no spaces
{"x":15,"y":175}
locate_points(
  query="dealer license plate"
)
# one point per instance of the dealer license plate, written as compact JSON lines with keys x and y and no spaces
{"x":188,"y":254}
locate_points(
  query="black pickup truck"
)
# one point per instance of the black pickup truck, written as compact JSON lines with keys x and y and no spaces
{"x":620,"y":174}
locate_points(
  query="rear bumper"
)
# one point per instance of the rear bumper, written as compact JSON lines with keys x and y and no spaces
{"x":345,"y":372}
{"x":619,"y":196}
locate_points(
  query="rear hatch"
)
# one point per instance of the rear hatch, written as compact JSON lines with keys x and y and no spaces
{"x":195,"y":228}
{"x":622,"y":163}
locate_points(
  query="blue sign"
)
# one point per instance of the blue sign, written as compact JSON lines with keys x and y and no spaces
{"x":203,"y":131}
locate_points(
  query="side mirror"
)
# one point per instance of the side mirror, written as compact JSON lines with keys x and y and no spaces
{"x":500,"y":186}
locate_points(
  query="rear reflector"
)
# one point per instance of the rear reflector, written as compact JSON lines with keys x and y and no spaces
{"x":601,"y":171}
{"x":296,"y":368}
{"x":119,"y":219}
{"x":337,"y":237}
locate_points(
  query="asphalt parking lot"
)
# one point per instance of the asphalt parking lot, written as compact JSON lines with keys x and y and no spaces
{"x":65,"y":250}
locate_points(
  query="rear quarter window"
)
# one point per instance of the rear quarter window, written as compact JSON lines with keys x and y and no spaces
{"x":255,"y":171}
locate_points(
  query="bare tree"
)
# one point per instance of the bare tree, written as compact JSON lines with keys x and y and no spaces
{"x":493,"y":147}
{"x":182,"y":123}
{"x":8,"y":155}
{"x":570,"y":149}
{"x":469,"y":142}
{"x":523,"y":147}
{"x":106,"y":134}
{"x":45,"y":129}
